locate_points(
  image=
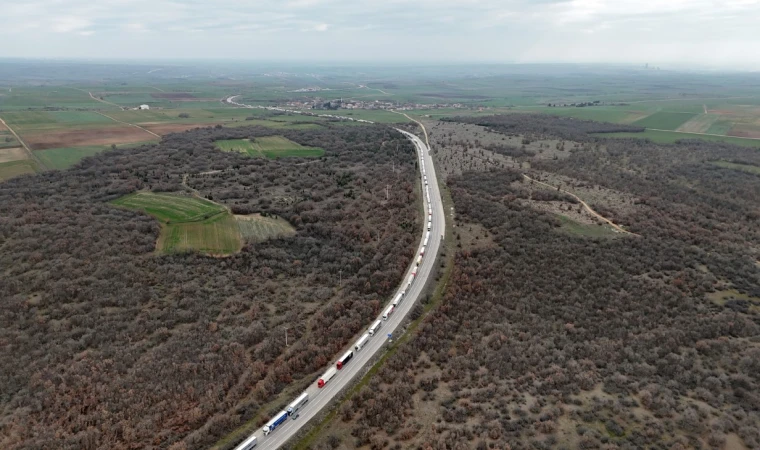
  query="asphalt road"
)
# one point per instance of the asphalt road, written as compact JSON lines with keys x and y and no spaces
{"x":320,"y":398}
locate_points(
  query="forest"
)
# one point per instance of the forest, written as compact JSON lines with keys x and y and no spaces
{"x":109,"y":345}
{"x":546,"y":339}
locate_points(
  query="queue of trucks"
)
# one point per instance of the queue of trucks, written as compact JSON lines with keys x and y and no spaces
{"x":329,"y":374}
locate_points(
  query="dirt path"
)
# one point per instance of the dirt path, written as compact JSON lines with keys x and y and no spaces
{"x":130,"y":124}
{"x":197,"y":194}
{"x":29,"y":151}
{"x":704,"y":134}
{"x":585,"y":205}
{"x":99,"y":100}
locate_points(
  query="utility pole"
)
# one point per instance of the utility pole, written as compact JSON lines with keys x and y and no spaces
{"x":286,"y":336}
{"x":386,"y":192}
{"x":340,"y":278}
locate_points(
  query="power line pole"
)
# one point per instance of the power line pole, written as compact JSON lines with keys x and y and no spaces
{"x":340,"y":278}
{"x":286,"y":336}
{"x":386,"y":192}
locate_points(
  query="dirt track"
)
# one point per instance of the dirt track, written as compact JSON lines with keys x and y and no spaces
{"x":585,"y":205}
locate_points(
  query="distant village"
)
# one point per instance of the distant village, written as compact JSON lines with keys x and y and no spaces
{"x":333,"y":105}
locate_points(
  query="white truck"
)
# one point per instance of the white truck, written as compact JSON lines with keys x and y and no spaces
{"x":397,"y":299}
{"x":375,"y":326}
{"x":296,"y":404}
{"x":388,"y":311}
{"x":247,"y":444}
{"x":361,"y":342}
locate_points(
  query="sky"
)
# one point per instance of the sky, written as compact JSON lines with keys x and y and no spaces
{"x":723,"y":33}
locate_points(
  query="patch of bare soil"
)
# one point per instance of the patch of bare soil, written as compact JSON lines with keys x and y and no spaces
{"x":12,"y":154}
{"x":745,"y":133}
{"x":698,"y":124}
{"x":80,"y":138}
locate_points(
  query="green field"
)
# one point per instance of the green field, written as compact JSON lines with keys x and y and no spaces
{"x":257,"y":228}
{"x":188,"y":223}
{"x":12,"y":169}
{"x":218,"y":235}
{"x":580,"y":229}
{"x":663,"y":120}
{"x":742,"y":167}
{"x":668,"y":137}
{"x":63,"y":158}
{"x":169,"y":208}
{"x":270,"y":147}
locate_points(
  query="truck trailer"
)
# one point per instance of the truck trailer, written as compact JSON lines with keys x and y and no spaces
{"x":388,"y":311}
{"x":397,"y":300}
{"x":275,"y":422}
{"x":361,"y":342}
{"x":247,"y":444}
{"x":344,"y":359}
{"x":327,"y":376}
{"x":419,"y":258}
{"x":375,"y":326}
{"x":296,"y":404}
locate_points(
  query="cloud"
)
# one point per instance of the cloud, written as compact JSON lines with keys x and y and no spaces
{"x":371,"y":30}
{"x":67,"y":24}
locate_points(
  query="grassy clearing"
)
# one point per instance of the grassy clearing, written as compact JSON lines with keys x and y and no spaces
{"x":63,"y":158}
{"x":237,"y":145}
{"x":669,"y":137}
{"x":721,"y":297}
{"x":218,"y":235}
{"x":579,"y":229}
{"x":188,"y":223}
{"x":664,"y":120}
{"x":742,"y":167}
{"x":257,"y":228}
{"x":168,"y":208}
{"x":269,"y":146}
{"x":12,"y":169}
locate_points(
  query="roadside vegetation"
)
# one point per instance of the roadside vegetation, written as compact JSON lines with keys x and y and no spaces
{"x":554,"y":336}
{"x":200,"y":341}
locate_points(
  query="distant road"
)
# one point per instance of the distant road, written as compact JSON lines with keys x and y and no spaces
{"x":320,"y":398}
{"x":32,"y":156}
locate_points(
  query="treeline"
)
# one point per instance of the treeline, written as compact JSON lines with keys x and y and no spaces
{"x":107,"y":345}
{"x":544,"y":125}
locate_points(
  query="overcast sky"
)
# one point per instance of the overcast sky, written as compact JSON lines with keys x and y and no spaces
{"x":718,"y":33}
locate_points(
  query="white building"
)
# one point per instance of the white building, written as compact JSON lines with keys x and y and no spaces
{"x":144,"y":107}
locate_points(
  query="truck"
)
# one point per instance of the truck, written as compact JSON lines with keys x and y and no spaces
{"x":388,"y":311}
{"x":430,"y":224}
{"x":275,"y":422}
{"x":419,"y":258}
{"x":397,"y":299}
{"x":296,"y":404}
{"x":361,"y":342}
{"x":344,"y":359}
{"x":247,"y":444}
{"x":422,"y":251}
{"x":375,"y":326}
{"x":327,"y":376}
{"x":425,"y":243}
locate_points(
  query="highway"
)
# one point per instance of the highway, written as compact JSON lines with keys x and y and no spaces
{"x":320,"y":398}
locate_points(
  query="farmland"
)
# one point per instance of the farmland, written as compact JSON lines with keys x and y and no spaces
{"x":196,"y":224}
{"x":269,"y":146}
{"x":257,"y":228}
{"x":12,"y":169}
{"x":218,"y":235}
{"x":665,"y":120}
{"x":169,"y":208}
